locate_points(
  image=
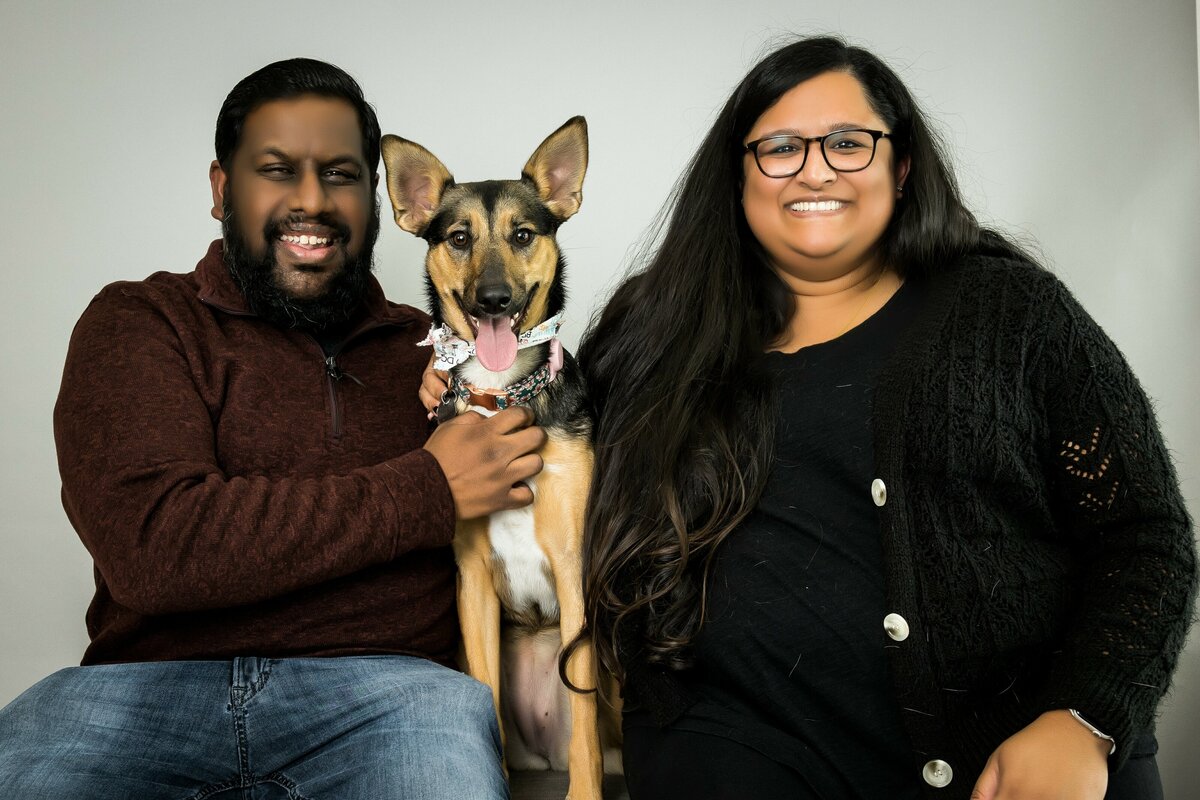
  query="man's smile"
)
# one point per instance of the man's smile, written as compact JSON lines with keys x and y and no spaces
{"x":314,"y":241}
{"x":306,"y":249}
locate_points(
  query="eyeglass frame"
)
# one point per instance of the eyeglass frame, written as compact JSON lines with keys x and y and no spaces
{"x":752,"y":147}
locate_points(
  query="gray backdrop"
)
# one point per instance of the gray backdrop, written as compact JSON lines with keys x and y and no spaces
{"x":1074,"y":123}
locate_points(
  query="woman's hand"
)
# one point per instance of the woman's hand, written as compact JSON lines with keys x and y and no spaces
{"x":1052,"y":758}
{"x":433,"y":383}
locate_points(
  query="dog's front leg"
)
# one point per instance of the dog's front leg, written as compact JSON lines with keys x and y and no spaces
{"x":479,"y":609}
{"x":585,"y":759}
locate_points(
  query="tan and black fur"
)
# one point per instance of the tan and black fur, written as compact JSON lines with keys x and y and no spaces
{"x":493,"y":251}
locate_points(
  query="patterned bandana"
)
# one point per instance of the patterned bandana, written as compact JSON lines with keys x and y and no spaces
{"x":450,"y":350}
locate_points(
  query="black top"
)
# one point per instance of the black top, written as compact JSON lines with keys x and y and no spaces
{"x":790,"y":657}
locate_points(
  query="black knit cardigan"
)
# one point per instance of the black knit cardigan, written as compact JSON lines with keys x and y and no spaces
{"x":1034,"y":535}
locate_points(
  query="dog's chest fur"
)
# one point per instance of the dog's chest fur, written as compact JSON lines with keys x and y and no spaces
{"x":524,"y":581}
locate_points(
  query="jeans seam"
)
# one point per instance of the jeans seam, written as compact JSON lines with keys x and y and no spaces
{"x":240,"y":697}
{"x":211,"y":789}
{"x":243,"y":746}
{"x":247,"y":782}
{"x":284,"y":782}
{"x":263,"y":674}
{"x":243,"y":693}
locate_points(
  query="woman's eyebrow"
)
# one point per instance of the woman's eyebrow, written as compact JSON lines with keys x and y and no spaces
{"x":835,"y":126}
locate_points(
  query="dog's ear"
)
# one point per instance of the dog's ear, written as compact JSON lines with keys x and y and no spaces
{"x":557,"y":168}
{"x":415,"y":182}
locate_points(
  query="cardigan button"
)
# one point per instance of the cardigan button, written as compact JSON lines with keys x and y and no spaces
{"x":937,"y":773}
{"x":878,"y":492}
{"x":896,"y":627}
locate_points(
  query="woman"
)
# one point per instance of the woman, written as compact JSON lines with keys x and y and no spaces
{"x":878,"y":508}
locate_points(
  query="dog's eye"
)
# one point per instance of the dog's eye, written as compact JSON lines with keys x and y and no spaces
{"x":523,"y":236}
{"x":459,"y":240}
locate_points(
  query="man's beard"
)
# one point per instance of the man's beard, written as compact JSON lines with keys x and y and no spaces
{"x":259,"y":284}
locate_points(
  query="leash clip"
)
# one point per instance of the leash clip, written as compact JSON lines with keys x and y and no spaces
{"x":447,"y":409}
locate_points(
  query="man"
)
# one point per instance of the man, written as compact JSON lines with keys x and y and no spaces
{"x":244,"y":456}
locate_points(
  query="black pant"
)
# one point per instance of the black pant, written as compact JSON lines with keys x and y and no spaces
{"x":1138,"y":779}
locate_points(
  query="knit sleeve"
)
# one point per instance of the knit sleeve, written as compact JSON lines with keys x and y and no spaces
{"x":1114,"y":493}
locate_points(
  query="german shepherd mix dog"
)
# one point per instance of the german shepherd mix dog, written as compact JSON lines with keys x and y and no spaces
{"x":495,"y":281}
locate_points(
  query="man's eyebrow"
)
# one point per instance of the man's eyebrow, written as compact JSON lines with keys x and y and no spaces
{"x":275,"y":152}
{"x":344,"y":159}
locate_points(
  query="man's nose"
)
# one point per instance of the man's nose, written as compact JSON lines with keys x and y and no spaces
{"x":311,"y":195}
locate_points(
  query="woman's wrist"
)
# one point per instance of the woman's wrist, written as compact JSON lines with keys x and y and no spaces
{"x":1065,"y":724}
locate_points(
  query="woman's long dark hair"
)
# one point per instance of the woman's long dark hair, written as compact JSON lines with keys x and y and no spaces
{"x":684,"y":411}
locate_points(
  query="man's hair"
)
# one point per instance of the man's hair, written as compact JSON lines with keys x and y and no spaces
{"x":287,"y":79}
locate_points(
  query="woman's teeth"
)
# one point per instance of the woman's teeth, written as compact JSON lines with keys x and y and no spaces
{"x":823,"y":205}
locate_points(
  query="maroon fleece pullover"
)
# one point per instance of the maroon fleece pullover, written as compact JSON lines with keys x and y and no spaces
{"x":240,"y":495}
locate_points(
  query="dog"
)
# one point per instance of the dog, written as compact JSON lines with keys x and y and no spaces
{"x":494,"y":274}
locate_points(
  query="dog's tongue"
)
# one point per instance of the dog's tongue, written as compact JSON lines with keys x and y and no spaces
{"x":496,"y":344}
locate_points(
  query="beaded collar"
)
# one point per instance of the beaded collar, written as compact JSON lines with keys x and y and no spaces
{"x":517,"y":394}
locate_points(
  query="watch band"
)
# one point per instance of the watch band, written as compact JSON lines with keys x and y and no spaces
{"x":1095,"y":731}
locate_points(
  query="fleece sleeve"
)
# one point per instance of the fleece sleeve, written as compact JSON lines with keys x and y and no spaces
{"x":170,"y":531}
{"x":1115,"y":495}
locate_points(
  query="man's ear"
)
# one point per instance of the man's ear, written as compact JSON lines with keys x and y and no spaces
{"x":220,"y":182}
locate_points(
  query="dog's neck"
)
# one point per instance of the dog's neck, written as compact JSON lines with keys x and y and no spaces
{"x":520,"y":393}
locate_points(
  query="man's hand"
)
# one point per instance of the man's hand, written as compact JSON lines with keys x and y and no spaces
{"x":1052,"y":758}
{"x":486,"y":458}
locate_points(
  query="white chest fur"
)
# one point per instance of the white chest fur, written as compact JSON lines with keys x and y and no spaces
{"x":518,"y":556}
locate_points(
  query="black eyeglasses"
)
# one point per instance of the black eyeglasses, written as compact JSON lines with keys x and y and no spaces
{"x":849,"y":150}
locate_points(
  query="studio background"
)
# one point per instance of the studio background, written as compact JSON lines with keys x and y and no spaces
{"x":1075,"y":124}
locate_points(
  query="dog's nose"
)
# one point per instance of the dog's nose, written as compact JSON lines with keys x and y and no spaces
{"x":494,"y":299}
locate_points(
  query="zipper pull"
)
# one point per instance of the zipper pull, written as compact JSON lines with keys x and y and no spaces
{"x":335,"y":372}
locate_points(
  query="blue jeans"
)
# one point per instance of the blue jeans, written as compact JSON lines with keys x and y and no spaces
{"x":253,"y":729}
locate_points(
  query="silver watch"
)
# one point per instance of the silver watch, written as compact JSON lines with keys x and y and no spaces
{"x":1095,"y":731}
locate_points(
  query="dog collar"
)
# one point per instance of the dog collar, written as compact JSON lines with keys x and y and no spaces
{"x":518,"y":394}
{"x":450,"y":350}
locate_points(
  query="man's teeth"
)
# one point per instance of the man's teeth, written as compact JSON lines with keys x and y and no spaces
{"x":823,"y":205}
{"x":309,"y":240}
